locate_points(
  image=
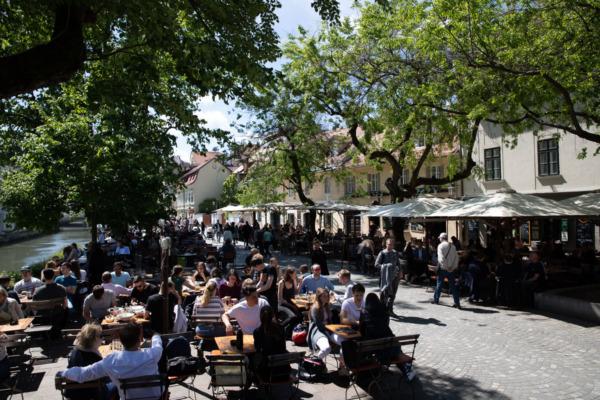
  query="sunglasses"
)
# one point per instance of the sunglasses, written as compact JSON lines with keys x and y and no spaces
{"x":317,"y":269}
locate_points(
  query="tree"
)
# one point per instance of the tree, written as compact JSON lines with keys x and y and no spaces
{"x":380,"y":74}
{"x":216,"y":46}
{"x":543,"y":55}
{"x":230,"y":190}
{"x":113,"y":163}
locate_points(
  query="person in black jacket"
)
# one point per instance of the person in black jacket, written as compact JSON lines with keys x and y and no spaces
{"x":318,"y":257}
{"x":375,"y":324}
{"x":269,"y":340}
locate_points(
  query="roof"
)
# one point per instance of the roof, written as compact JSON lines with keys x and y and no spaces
{"x":199,"y":159}
{"x":190,"y":176}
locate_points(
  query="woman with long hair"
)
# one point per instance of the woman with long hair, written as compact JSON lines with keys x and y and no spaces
{"x":201,"y":274}
{"x":179,"y":281}
{"x":232,"y":286}
{"x":269,"y":340}
{"x":320,"y":316}
{"x":209,"y":306}
{"x":287,"y":290}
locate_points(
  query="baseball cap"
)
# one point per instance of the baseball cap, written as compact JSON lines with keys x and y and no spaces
{"x":26,"y":268}
{"x":443,"y":235}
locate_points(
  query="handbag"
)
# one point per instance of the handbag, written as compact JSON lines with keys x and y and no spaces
{"x":178,"y":366}
{"x":311,"y":368}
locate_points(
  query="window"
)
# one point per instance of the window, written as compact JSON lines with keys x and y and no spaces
{"x":405,"y":178}
{"x":374,"y":182}
{"x":307,"y":189}
{"x":327,"y":185}
{"x":291,"y":192}
{"x":437,"y":171}
{"x":548,"y":157}
{"x":492,"y":164}
{"x":420,"y":141}
{"x":350,"y":187}
{"x":190,"y":197}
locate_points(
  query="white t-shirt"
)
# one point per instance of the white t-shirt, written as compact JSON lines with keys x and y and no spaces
{"x":247,"y":317}
{"x":30,"y":286}
{"x":351,"y":309}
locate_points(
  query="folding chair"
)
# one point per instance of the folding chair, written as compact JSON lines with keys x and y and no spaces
{"x":229,"y":257}
{"x":93,"y":388}
{"x":44,"y":310}
{"x":277,"y":361}
{"x":144,"y":382}
{"x":227,"y":370}
{"x":364,"y":361}
{"x":399,"y":357}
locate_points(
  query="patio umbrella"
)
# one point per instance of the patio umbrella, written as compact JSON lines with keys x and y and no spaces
{"x":231,"y":208}
{"x":413,"y":208}
{"x":590,"y":202}
{"x":508,"y":204}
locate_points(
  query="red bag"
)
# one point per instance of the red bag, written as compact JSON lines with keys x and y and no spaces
{"x":299,"y":337}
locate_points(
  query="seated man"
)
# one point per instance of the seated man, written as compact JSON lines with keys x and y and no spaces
{"x":533,"y":280}
{"x":120,"y":277}
{"x":228,"y":247}
{"x":5,"y":282}
{"x":154,"y":309}
{"x":117,"y":289}
{"x":28,"y":283}
{"x":247,"y":313}
{"x":49,"y":291}
{"x":142,"y":290}
{"x":68,"y":281}
{"x":122,"y":250}
{"x":352,"y":306}
{"x":96,"y":304}
{"x":315,"y":281}
{"x":421,"y":260}
{"x":344,"y":277}
{"x":130,"y":363}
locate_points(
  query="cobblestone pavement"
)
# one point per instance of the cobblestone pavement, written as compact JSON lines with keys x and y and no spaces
{"x":475,"y":353}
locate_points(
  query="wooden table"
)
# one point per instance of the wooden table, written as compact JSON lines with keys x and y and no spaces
{"x":21,"y":326}
{"x":343,"y":335}
{"x":115,"y":323}
{"x":224,"y":344}
{"x":25,"y":300}
{"x":302,"y":303}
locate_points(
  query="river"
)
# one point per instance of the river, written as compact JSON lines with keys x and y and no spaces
{"x":14,"y":256}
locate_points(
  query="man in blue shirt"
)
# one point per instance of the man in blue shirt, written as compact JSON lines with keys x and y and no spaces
{"x":313,"y":282}
{"x":120,"y":277}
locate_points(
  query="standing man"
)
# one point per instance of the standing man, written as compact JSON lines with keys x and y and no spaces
{"x":391,"y":271}
{"x":447,"y":263}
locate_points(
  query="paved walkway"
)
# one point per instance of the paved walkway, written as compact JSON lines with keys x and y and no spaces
{"x":475,"y":353}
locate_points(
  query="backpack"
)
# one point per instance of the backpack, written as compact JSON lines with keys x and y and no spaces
{"x":299,"y":335}
{"x":311,"y":369}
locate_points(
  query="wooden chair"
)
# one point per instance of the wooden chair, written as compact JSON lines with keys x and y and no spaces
{"x":229,"y":257}
{"x":43,"y":309}
{"x":63,"y":384}
{"x":18,"y":343}
{"x":227,"y":370}
{"x":404,"y":357}
{"x":145,"y":382}
{"x":277,"y":361}
{"x":365,"y":362}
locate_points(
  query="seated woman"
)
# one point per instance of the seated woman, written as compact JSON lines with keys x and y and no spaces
{"x":86,"y":353}
{"x":209,"y":305}
{"x":179,"y":281}
{"x":201,"y":274}
{"x":216,"y":276}
{"x":375,"y":324}
{"x":320,"y":316}
{"x":232,"y":286}
{"x":287,"y":290}
{"x":269,"y":341}
{"x":10,"y":310}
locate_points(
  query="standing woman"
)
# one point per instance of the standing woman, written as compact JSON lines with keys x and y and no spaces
{"x":367,"y":255}
{"x":320,"y":315}
{"x":318,"y":257}
{"x":288,"y":289}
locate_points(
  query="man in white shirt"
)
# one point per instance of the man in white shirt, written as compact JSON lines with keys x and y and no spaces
{"x":28,"y":283}
{"x":247,"y":313}
{"x":117,"y":289}
{"x":344,"y":278}
{"x":130,"y":363}
{"x":352,"y":306}
{"x":120,"y":277}
{"x":447,"y":263}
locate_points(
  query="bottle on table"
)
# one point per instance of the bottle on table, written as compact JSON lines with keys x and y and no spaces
{"x":239,"y":341}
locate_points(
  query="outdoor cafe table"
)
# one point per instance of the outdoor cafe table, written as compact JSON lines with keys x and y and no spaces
{"x":23,"y":324}
{"x":116,"y":323}
{"x":224,"y":344}
{"x":336,"y":328}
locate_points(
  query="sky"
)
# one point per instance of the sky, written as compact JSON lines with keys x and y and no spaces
{"x":219,"y":115}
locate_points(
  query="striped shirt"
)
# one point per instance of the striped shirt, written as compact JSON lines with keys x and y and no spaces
{"x":215,"y":308}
